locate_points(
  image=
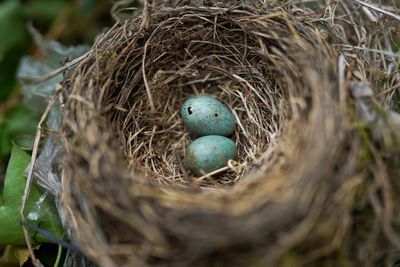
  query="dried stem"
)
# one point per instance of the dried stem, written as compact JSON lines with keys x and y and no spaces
{"x":29,"y":179}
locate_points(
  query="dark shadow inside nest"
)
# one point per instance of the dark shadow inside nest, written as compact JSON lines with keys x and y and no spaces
{"x":182,"y":60}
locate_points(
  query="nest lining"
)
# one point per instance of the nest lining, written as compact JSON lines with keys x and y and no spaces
{"x":185,"y":56}
{"x":155,"y":140}
{"x":128,"y":199}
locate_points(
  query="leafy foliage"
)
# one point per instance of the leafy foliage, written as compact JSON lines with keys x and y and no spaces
{"x":40,"y":210}
{"x":62,"y":20}
{"x":18,"y":124}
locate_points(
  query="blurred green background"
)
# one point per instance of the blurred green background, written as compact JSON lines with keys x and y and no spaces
{"x":68,"y":22}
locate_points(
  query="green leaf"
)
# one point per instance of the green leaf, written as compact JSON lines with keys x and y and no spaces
{"x":18,"y":123}
{"x":14,"y":182}
{"x":40,"y":211}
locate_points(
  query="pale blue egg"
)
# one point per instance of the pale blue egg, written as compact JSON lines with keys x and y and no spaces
{"x":209,"y":153}
{"x":205,"y":115}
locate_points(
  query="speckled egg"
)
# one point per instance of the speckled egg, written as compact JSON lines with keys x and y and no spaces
{"x":205,"y":115}
{"x":209,"y":153}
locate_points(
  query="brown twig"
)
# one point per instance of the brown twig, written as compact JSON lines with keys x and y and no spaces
{"x":378,"y":9}
{"x":68,"y":65}
{"x":390,"y":89}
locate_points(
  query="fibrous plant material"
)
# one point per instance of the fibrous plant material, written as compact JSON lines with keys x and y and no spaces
{"x":313,"y":181}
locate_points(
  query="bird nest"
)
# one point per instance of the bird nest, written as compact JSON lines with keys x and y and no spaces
{"x":127,"y":198}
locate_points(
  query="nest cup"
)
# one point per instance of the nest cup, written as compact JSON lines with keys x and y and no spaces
{"x":127,"y":198}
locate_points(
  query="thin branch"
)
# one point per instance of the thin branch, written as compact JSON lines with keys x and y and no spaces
{"x":29,"y":179}
{"x":390,"y":89}
{"x":390,"y":14}
{"x":68,"y":65}
{"x":386,"y":53}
